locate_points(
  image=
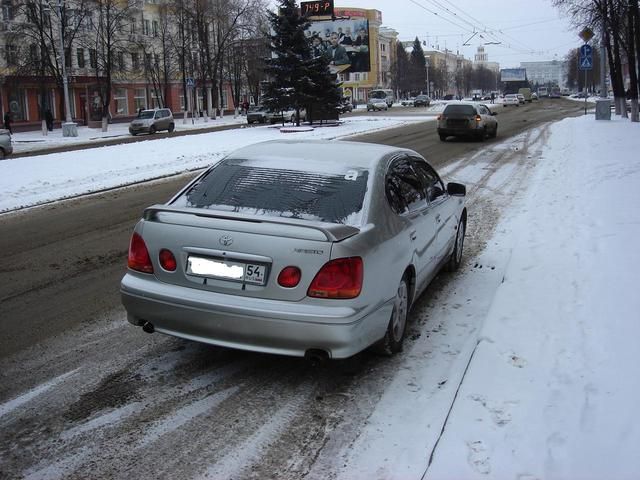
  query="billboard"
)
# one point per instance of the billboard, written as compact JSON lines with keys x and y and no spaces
{"x":344,"y":41}
{"x":513,"y":75}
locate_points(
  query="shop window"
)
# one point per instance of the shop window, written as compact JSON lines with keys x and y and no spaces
{"x":121,"y":104}
{"x":140,"y":99}
{"x":18,"y":105}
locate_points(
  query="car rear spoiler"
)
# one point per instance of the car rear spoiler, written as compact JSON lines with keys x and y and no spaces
{"x":334,"y":232}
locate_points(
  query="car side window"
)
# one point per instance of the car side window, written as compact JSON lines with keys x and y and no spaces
{"x":403,"y":187}
{"x":157,"y":115}
{"x":483,"y":110}
{"x":430,"y":179}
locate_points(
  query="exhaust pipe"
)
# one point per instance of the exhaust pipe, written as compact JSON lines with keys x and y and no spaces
{"x":148,"y":327}
{"x":316,"y":356}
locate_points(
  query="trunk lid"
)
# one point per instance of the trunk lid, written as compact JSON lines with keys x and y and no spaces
{"x":202,"y":241}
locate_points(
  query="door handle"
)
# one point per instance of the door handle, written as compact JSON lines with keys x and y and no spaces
{"x":413,"y":235}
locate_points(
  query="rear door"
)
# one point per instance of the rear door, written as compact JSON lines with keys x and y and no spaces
{"x":442,"y":209}
{"x":407,"y":196}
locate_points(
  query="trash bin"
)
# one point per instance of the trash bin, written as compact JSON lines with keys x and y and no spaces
{"x":603,"y":109}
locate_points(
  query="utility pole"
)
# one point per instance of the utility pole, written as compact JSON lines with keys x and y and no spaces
{"x":69,"y":129}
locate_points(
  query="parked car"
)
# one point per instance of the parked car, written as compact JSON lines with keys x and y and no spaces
{"x":408,"y":102}
{"x":6,"y":147}
{"x":422,"y":101}
{"x":521,"y":98}
{"x":375,"y":104}
{"x":242,"y":257}
{"x":150,"y":121}
{"x":511,"y":99}
{"x":345,"y":106}
{"x":288,"y":115}
{"x":467,"y":119}
{"x":534,"y":96}
{"x":448,"y":96}
{"x":257,"y":114}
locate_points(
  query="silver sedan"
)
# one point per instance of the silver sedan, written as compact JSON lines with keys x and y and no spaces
{"x":311,"y":248}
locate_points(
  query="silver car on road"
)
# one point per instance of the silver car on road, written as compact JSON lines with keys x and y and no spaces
{"x":303,"y":248}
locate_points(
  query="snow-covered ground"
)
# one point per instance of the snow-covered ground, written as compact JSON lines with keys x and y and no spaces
{"x":551,"y":386}
{"x":547,"y":383}
{"x":38,"y":179}
{"x":35,"y":140}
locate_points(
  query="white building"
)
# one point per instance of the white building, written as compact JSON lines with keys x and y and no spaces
{"x":545,"y":73}
{"x":481,"y":58}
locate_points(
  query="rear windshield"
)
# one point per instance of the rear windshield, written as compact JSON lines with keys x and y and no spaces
{"x":235,"y":186}
{"x":459,"y":110}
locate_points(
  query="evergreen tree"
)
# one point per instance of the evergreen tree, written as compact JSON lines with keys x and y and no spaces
{"x":417,"y":68}
{"x":288,"y":66}
{"x":401,"y":70}
{"x":297,"y":78}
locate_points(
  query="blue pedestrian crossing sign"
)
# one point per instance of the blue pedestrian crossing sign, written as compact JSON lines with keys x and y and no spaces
{"x":586,"y":57}
{"x":190,"y":82}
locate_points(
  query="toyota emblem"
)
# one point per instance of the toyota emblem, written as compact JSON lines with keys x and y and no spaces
{"x":226,"y":240}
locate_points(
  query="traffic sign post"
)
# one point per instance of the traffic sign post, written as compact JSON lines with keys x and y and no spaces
{"x":585,"y":63}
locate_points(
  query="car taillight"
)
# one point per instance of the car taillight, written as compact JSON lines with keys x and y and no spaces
{"x":339,"y":278}
{"x":289,"y":277}
{"x":167,"y":260}
{"x":439,"y":117}
{"x":139,"y":255}
{"x":478,"y":118}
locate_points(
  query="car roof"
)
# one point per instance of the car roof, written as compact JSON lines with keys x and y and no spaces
{"x":472,"y":104}
{"x":340,"y":153}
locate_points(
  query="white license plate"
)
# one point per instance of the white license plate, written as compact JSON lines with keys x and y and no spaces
{"x":226,"y":270}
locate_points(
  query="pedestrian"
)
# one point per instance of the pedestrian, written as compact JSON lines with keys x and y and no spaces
{"x":354,"y":103}
{"x":7,"y":122}
{"x":48,"y":118}
{"x":245,"y":107}
{"x":493,"y":97}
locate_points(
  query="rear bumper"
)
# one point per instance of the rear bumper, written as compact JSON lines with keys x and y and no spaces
{"x":270,"y":326}
{"x":143,"y":129}
{"x":459,"y":131}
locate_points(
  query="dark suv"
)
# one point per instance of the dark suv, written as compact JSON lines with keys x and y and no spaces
{"x":466,"y":119}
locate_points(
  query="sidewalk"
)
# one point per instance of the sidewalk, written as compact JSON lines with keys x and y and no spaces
{"x":27,"y":143}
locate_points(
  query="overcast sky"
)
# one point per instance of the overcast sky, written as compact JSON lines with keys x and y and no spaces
{"x":526,"y":30}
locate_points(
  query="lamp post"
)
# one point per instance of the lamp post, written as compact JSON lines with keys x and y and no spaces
{"x":69,"y":129}
{"x":428,"y":89}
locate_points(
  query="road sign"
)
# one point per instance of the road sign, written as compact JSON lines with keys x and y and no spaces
{"x":190,"y":82}
{"x":586,"y":34}
{"x":586,"y":57}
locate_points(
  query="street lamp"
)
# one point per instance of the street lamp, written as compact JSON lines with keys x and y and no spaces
{"x":69,"y":129}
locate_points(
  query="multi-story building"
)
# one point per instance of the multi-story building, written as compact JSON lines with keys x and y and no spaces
{"x":381,"y":41}
{"x":481,"y":58}
{"x":553,"y":72}
{"x":144,"y":75}
{"x":448,"y":63}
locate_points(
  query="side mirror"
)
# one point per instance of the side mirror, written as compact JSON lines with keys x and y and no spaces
{"x":493,"y":114}
{"x":456,"y":189}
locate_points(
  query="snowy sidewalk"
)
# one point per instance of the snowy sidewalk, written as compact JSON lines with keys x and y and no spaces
{"x":553,"y":387}
{"x":34,"y":140}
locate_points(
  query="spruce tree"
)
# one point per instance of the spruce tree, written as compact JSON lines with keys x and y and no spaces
{"x":297,"y":78}
{"x":417,"y":67}
{"x":288,"y":67}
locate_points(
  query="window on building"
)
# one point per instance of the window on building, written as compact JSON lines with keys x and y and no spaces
{"x":147,"y":61}
{"x":357,"y":75}
{"x":121,"y":104}
{"x":156,"y":59}
{"x":135,"y":61}
{"x":120,"y":59}
{"x":33,"y":52}
{"x":147,"y":27}
{"x":11,"y":54}
{"x":132,"y":25}
{"x":93,"y":58}
{"x":18,"y":104}
{"x":182,"y":107}
{"x":8,"y":11}
{"x":140,"y":99}
{"x":155,"y":28}
{"x":155,"y":100}
{"x":80,"y":57}
{"x":67,"y":57}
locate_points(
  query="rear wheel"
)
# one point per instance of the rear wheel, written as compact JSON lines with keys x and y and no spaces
{"x":172,"y":127}
{"x":494,"y":134}
{"x":443,"y":137}
{"x":392,"y":341}
{"x":152,"y":130}
{"x":2,"y":154}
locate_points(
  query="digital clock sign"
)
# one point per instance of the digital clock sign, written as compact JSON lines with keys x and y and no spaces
{"x":317,"y":8}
